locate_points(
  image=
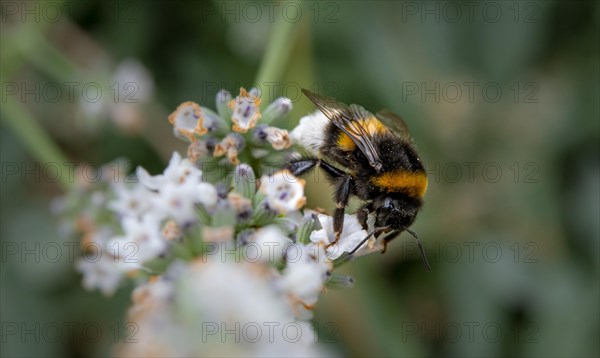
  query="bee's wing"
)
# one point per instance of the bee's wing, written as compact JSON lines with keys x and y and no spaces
{"x":395,"y":123}
{"x":347,"y":120}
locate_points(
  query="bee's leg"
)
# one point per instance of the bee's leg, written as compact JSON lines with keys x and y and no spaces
{"x":363,"y":215}
{"x":333,"y":172}
{"x":388,"y":239}
{"x":304,"y":165}
{"x":385,"y":242}
{"x":344,"y":187}
{"x":343,"y":182}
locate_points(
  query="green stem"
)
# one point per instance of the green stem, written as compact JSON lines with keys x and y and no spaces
{"x":34,"y":48}
{"x":33,"y":136}
{"x":277,"y":54}
{"x":43,"y":56}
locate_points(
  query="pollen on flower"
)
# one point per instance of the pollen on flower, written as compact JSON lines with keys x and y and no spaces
{"x":197,"y":150}
{"x":187,"y":121}
{"x":284,"y":191}
{"x":279,"y":138}
{"x":171,"y":231}
{"x":246,"y":111}
{"x":230,"y":146}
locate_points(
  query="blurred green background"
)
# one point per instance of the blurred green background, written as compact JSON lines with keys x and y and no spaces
{"x":502,"y":99}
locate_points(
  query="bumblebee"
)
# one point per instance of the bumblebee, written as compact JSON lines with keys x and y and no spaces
{"x":379,"y":166}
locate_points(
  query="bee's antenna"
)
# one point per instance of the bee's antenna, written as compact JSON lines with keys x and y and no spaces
{"x":375,"y":231}
{"x":423,"y":256}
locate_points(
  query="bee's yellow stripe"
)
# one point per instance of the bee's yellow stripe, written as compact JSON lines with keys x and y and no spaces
{"x":345,"y":143}
{"x":413,"y":184}
{"x":372,"y":126}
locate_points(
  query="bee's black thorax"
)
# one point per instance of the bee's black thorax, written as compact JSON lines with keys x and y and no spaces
{"x":397,"y":156}
{"x":332,"y":150}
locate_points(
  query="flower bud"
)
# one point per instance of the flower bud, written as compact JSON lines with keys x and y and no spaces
{"x":277,"y":110}
{"x":340,"y":281}
{"x":214,"y":123}
{"x":244,"y":181}
{"x":263,"y":214}
{"x":309,"y":224}
{"x":222,"y":100}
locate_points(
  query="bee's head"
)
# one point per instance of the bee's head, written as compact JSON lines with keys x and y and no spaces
{"x":397,"y":213}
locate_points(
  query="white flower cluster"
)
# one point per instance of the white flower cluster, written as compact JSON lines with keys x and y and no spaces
{"x":217,"y":308}
{"x":237,"y":130}
{"x":147,"y":212}
{"x":229,"y":267}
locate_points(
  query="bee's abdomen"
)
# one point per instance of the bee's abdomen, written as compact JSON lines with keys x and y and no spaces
{"x":410,"y":183}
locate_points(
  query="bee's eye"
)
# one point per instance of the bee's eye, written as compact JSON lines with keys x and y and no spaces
{"x":382,"y":214}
